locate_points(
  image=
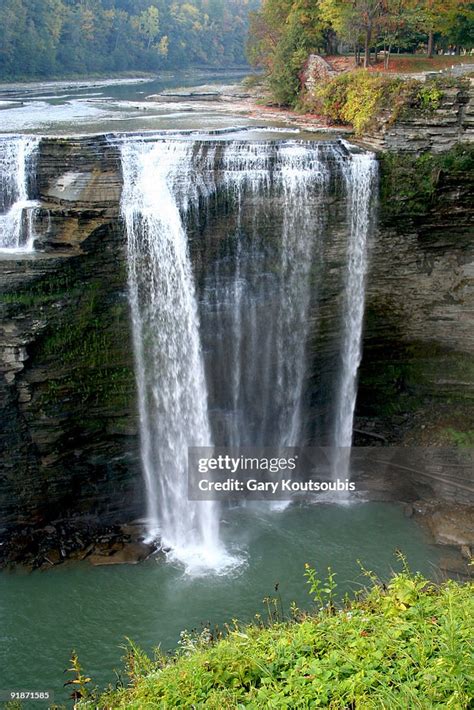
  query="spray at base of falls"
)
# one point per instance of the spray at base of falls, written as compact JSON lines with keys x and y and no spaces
{"x":266,"y":375}
{"x":17,"y":158}
{"x":360,"y":176}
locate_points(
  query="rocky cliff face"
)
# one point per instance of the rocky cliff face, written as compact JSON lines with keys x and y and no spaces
{"x":69,"y":434}
{"x":417,"y":377}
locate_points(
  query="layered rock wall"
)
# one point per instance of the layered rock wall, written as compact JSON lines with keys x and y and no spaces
{"x":436,"y":130}
{"x":416,"y":385}
{"x":69,"y":444}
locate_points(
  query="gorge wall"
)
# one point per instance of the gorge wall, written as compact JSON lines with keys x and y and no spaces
{"x":69,"y":434}
{"x":416,"y":383}
{"x":69,"y":439}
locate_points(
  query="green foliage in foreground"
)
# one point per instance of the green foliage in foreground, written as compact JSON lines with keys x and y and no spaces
{"x":403,"y":645}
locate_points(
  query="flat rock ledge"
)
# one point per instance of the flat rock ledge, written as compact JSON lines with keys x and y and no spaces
{"x":69,"y":540}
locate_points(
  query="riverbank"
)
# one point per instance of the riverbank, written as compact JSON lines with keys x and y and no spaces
{"x":111,"y":78}
{"x":62,"y":80}
{"x":248,"y":98}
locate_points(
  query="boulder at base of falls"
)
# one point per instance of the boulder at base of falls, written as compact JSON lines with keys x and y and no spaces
{"x":130,"y":554}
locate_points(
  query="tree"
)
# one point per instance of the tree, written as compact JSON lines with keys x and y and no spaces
{"x":460,"y":26}
{"x":45,"y":37}
{"x":443,"y":16}
{"x":355,"y":19}
{"x":267,"y":27}
{"x":148,"y":25}
{"x":397,"y":25}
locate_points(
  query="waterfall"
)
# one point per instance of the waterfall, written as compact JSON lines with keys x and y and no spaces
{"x":258,"y":292}
{"x":360,"y":175}
{"x":158,"y":184}
{"x":227,"y":364}
{"x":16,"y":207}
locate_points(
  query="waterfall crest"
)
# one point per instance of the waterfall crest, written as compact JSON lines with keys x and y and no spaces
{"x":17,"y":155}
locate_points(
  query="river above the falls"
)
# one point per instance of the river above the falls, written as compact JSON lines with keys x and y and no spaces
{"x":122,"y":105}
{"x":44,"y":615}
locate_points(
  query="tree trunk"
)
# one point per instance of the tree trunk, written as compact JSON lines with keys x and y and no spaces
{"x":368,"y":37}
{"x":387,"y":57}
{"x":332,"y":42}
{"x":430,"y":43}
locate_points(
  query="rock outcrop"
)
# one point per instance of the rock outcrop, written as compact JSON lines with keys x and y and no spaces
{"x":316,"y":71}
{"x":435,"y":130}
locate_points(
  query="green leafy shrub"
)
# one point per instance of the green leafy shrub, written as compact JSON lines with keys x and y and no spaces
{"x":428,"y":97}
{"x":358,"y":98}
{"x":464,"y":439}
{"x":403,"y":644}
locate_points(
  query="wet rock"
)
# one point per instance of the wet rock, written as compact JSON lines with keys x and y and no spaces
{"x":449,"y":524}
{"x":86,"y":552}
{"x":131,"y":554}
{"x":68,"y":427}
{"x":453,"y":526}
{"x":454,"y":565}
{"x":132,"y":530}
{"x":54,"y":557}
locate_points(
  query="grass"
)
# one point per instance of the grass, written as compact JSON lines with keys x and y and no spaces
{"x":415,"y":63}
{"x":403,"y":63}
{"x":404,"y":644}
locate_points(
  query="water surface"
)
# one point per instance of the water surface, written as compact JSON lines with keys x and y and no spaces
{"x":44,"y":615}
{"x":64,"y":108}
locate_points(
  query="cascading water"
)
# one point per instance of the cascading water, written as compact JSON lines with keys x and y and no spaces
{"x":158,"y":184}
{"x":257,"y":295}
{"x":256,"y":298}
{"x":360,"y":174}
{"x":16,"y":167}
